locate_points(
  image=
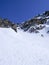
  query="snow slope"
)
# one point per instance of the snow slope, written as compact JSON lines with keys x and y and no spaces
{"x":23,"y":48}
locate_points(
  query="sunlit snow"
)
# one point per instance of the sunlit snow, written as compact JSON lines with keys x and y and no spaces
{"x":23,"y":48}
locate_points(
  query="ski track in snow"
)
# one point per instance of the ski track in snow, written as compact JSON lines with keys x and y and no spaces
{"x":23,"y":48}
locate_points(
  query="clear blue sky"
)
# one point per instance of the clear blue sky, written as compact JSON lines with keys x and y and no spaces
{"x":21,"y":10}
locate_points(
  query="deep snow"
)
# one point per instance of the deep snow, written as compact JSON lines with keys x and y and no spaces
{"x":23,"y":48}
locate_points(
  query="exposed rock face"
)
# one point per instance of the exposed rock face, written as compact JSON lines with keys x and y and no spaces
{"x":35,"y":24}
{"x":14,"y":26}
{"x":46,"y":13}
{"x":36,"y":28}
{"x":5,"y":23}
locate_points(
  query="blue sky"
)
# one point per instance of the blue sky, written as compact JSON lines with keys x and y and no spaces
{"x":22,"y":10}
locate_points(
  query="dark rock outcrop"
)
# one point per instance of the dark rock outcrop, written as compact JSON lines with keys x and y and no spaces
{"x":5,"y":23}
{"x":46,"y":13}
{"x":31,"y":24}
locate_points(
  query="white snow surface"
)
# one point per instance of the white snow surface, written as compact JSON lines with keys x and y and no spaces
{"x":23,"y":48}
{"x":39,"y":17}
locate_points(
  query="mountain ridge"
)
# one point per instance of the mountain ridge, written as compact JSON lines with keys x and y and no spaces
{"x":32,"y":25}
